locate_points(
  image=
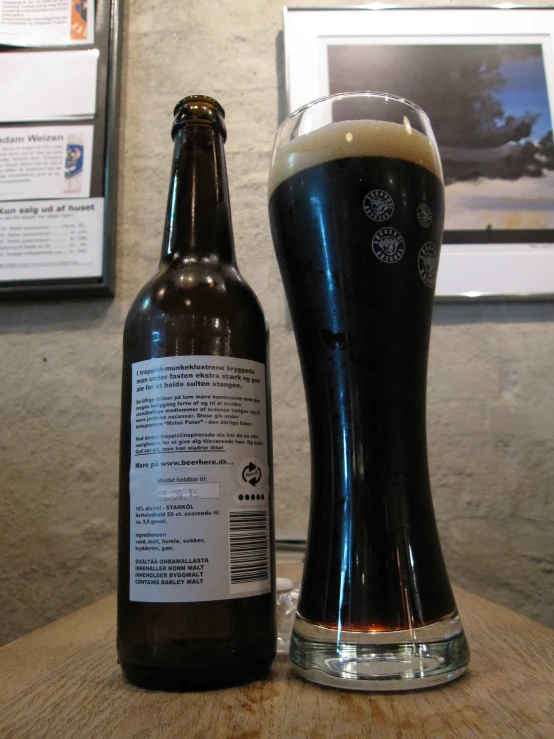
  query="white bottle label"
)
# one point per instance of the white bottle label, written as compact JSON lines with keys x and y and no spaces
{"x":199,"y":485}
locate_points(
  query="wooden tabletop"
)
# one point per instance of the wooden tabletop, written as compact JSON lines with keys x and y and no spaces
{"x":63,"y":681}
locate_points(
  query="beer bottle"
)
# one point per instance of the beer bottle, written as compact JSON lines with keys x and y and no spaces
{"x":196,"y":600}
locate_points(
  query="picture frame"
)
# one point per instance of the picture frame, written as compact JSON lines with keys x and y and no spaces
{"x":485,"y":76}
{"x":92,"y":273}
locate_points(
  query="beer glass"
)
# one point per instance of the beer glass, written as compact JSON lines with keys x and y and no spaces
{"x":356,"y":203}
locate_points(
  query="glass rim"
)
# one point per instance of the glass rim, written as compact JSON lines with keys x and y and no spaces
{"x":359,"y":94}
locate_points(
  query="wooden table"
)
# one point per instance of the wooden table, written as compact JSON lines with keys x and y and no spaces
{"x":63,"y":681}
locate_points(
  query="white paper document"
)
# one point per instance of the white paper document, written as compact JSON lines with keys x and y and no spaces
{"x":51,"y":239}
{"x":47,"y":85}
{"x":46,"y":22}
{"x":45,"y":162}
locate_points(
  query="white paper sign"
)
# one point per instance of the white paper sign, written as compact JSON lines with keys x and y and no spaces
{"x":47,"y":85}
{"x":51,"y":239}
{"x":49,"y":162}
{"x":46,"y":22}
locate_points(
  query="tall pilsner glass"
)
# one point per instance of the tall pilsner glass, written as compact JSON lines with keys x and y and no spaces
{"x":356,"y":207}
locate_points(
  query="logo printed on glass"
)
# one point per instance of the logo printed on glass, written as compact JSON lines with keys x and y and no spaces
{"x":424,"y":215}
{"x":378,"y":205}
{"x":428,"y":263}
{"x":388,"y":245}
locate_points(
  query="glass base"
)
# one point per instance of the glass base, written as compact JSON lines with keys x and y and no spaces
{"x":394,"y":660}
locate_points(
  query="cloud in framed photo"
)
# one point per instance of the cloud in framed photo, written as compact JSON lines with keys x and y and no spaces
{"x":489,"y":107}
{"x":501,"y":204}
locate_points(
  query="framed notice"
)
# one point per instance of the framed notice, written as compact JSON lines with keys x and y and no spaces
{"x":58,"y":147}
{"x":485,"y":77}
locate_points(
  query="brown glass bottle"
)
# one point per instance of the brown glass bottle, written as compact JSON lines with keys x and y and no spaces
{"x":196,"y":605}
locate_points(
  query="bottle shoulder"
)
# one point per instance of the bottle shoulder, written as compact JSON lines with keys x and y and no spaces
{"x":194,"y":309}
{"x":197,"y":288}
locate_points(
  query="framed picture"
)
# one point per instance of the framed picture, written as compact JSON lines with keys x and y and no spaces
{"x":485,"y":77}
{"x":58,"y":146}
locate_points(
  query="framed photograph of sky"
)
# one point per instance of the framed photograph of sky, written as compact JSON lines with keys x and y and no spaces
{"x":485,"y":77}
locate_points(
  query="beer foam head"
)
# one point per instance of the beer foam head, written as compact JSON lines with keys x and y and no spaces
{"x":354,"y":139}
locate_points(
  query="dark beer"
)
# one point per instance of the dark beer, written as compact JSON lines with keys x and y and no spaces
{"x":356,"y":210}
{"x":196,"y":602}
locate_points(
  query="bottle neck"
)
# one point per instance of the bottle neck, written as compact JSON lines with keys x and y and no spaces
{"x":198,"y":219}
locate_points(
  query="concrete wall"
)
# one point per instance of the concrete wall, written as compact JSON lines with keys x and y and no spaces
{"x":491,"y":395}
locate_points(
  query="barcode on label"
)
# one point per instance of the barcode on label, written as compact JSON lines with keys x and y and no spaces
{"x":248,"y":547}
